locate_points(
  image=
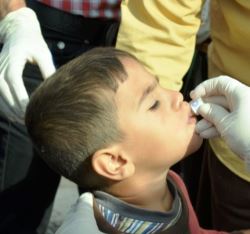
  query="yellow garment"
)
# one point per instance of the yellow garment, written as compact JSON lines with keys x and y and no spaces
{"x":229,"y":54}
{"x":161,"y":34}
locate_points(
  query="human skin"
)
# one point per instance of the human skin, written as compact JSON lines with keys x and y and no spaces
{"x":159,"y":130}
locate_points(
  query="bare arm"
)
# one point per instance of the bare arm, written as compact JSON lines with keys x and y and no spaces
{"x":7,"y":6}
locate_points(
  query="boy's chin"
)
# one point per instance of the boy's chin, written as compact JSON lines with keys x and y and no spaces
{"x":194,"y":145}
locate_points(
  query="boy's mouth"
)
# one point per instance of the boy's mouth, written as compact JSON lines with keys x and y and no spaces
{"x":192,"y":119}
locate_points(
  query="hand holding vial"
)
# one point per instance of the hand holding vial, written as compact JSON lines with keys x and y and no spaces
{"x":225,"y":112}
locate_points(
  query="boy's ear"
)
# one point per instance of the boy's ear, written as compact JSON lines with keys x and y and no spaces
{"x":112,"y":164}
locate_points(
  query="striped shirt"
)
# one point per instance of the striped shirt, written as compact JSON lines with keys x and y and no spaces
{"x":132,"y":220}
{"x":109,"y":9}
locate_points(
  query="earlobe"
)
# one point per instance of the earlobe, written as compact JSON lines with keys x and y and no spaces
{"x":112,"y":164}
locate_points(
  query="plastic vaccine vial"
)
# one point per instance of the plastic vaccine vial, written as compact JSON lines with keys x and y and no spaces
{"x":195,"y":104}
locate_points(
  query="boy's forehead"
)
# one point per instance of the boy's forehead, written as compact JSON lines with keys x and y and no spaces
{"x":138,"y":81}
{"x":129,"y":63}
{"x":133,"y":67}
{"x":136,"y":72}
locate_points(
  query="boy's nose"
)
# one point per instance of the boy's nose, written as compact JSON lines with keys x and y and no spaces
{"x":176,"y":100}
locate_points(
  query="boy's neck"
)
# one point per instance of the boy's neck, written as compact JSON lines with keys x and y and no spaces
{"x":144,"y":193}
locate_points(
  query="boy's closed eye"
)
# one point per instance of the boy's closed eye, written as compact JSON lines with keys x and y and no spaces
{"x":155,"y":105}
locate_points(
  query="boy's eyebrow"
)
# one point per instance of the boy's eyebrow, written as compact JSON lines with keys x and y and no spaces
{"x":148,"y":90}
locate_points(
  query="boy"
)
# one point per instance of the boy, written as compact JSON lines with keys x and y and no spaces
{"x":105,"y":123}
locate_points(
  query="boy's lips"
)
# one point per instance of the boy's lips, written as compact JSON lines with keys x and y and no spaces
{"x":192,"y":119}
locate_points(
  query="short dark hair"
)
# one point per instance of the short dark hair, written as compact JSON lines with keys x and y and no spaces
{"x":73,"y":113}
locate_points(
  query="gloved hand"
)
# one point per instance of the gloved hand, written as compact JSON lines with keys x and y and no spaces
{"x":80,"y":218}
{"x":21,"y":35}
{"x":231,"y":118}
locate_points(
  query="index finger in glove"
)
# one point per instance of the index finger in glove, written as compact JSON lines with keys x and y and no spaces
{"x":213,"y":113}
{"x":218,"y":100}
{"x":202,"y":125}
{"x":206,"y":129}
{"x":217,"y":86}
{"x":209,"y":133}
{"x":45,"y":63}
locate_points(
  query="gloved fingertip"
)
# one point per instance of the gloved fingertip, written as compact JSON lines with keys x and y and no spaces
{"x":198,"y":92}
{"x":197,"y":128}
{"x":49,"y":72}
{"x":192,"y":94}
{"x":47,"y":68}
{"x":209,"y":133}
{"x":197,"y":131}
{"x":204,"y":109}
{"x":202,"y":125}
{"x":204,"y":136}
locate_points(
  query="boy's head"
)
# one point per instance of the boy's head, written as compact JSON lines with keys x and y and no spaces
{"x":102,"y":118}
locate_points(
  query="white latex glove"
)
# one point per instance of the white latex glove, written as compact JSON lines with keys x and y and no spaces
{"x":21,"y":35}
{"x":80,"y":218}
{"x":230,"y":119}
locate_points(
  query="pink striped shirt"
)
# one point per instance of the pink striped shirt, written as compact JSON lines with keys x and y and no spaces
{"x":109,"y":9}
